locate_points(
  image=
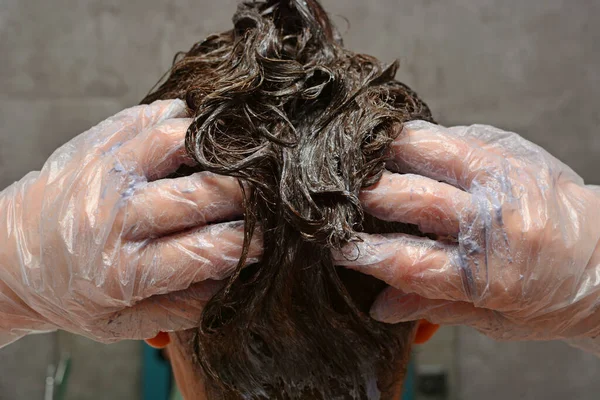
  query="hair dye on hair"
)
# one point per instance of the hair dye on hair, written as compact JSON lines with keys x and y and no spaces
{"x":306,"y":124}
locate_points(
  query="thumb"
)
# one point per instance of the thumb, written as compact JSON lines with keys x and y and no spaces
{"x":393,"y":306}
{"x":176,"y":311}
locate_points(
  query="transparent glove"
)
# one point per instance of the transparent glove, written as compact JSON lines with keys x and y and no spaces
{"x":99,"y":245}
{"x":517,"y":254}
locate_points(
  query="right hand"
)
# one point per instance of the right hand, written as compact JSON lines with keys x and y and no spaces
{"x":99,"y":244}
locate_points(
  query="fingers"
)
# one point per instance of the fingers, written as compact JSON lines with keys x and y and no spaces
{"x":434,"y":207}
{"x":174,"y":263}
{"x":160,"y":149}
{"x":115,"y":131}
{"x":170,"y":312}
{"x":436,"y":152}
{"x":412,"y":264}
{"x":143,"y":116}
{"x":167,"y":206}
{"x":393,"y":306}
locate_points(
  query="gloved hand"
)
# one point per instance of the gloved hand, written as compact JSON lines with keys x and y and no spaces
{"x":518,"y":249}
{"x":99,"y":245}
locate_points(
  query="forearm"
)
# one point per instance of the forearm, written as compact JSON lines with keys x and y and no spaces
{"x":591,"y":341}
{"x":591,"y":344}
{"x":595,"y":259}
{"x":16,"y":318}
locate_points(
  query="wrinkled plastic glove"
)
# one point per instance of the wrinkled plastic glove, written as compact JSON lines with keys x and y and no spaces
{"x":517,"y":254}
{"x":98,"y":244}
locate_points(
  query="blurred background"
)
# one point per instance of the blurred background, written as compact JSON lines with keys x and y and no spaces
{"x":527,"y":66}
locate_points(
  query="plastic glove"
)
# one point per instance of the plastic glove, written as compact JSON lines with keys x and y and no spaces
{"x":99,"y":245}
{"x":518,"y":255}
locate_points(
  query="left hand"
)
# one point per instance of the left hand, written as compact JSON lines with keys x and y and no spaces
{"x":524,"y":260}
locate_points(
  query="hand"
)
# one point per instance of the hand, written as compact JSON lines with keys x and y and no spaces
{"x":99,"y":244}
{"x":518,"y":255}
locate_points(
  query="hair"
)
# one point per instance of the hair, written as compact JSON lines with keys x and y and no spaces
{"x":306,"y":124}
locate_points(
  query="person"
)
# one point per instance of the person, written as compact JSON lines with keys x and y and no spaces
{"x":304,"y":123}
{"x":94,"y":243}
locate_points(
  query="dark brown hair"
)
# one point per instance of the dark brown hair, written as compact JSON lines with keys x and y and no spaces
{"x":306,"y":124}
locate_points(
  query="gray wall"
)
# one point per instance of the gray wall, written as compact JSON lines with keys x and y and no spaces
{"x":529,"y":66}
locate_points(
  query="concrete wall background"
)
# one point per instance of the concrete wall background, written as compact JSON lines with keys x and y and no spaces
{"x":531,"y":67}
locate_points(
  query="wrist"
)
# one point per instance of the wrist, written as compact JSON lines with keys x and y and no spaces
{"x":587,"y":344}
{"x":8,"y":235}
{"x":594,"y":265}
{"x":17,"y":318}
{"x":595,"y":221}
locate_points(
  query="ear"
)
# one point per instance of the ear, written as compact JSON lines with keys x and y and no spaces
{"x":425,"y":331}
{"x":160,"y":341}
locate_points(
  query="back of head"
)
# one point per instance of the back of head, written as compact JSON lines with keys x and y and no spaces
{"x":305,"y":123}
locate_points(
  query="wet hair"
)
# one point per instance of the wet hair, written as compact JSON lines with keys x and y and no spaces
{"x":306,"y":124}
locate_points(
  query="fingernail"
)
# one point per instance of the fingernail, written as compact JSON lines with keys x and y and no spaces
{"x":208,"y":288}
{"x":363,"y":253}
{"x":392,"y":306}
{"x":175,"y":109}
{"x":418,"y":125}
{"x":389,"y":314}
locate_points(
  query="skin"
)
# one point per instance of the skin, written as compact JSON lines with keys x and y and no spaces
{"x":190,"y":380}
